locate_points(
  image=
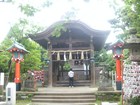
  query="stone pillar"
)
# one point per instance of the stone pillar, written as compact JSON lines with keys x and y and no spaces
{"x":50,"y":77}
{"x":92,"y":64}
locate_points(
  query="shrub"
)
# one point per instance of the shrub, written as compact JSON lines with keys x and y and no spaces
{"x":135,"y":100}
{"x":66,"y":66}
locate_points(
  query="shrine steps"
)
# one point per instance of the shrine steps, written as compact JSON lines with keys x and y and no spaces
{"x":64,"y":98}
{"x":64,"y":104}
{"x":79,"y":83}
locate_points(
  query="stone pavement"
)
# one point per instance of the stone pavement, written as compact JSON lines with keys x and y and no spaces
{"x":2,"y":103}
{"x":67,"y":89}
{"x":107,"y":103}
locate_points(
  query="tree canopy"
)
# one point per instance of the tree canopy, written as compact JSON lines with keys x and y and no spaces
{"x":102,"y":58}
{"x":127,"y":18}
{"x":19,"y":32}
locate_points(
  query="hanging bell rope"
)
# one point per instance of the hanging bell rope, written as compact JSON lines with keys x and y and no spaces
{"x":65,"y":59}
{"x":82,"y":55}
{"x":70,"y":55}
{"x":77,"y":56}
{"x":58,"y":55}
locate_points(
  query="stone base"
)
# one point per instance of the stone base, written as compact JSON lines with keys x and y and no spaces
{"x":105,"y":89}
{"x":118,"y":85}
{"x":18,"y":86}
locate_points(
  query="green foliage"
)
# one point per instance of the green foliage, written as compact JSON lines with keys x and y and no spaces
{"x":19,"y":33}
{"x":1,"y":91}
{"x":4,"y":59}
{"x":28,"y":9}
{"x":105,"y":96}
{"x":32,"y":60}
{"x":135,"y":100}
{"x":102,"y":57}
{"x":21,"y":29}
{"x":66,"y":66}
{"x":5,"y":56}
{"x":127,"y":17}
{"x":128,"y":20}
{"x":125,"y":55}
{"x":47,"y":3}
{"x":58,"y":29}
{"x":120,"y":103}
{"x":23,"y":102}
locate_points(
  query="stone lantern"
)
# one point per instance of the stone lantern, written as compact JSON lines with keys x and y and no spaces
{"x":133,"y":44}
{"x":117,"y":55}
{"x":18,"y":52}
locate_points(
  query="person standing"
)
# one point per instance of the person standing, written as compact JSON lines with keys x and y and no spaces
{"x":71,"y":76}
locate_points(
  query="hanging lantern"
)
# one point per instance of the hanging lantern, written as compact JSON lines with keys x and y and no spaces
{"x":17,"y":51}
{"x":117,"y":49}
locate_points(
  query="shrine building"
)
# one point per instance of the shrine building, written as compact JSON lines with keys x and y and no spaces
{"x":75,"y":47}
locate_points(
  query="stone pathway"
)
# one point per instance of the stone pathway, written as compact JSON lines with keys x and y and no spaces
{"x":67,"y":89}
{"x":2,"y":103}
{"x":65,"y":96}
{"x":107,"y":103}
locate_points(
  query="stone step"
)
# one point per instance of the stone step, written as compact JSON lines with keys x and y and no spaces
{"x":64,"y":97}
{"x":65,"y":94}
{"x":64,"y":103}
{"x":60,"y":96}
{"x":64,"y":100}
{"x":66,"y":84}
{"x":76,"y":83}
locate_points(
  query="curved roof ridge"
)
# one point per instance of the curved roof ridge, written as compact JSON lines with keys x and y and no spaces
{"x":69,"y":24}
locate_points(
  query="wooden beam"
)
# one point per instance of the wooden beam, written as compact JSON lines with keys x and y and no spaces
{"x":50,"y":77}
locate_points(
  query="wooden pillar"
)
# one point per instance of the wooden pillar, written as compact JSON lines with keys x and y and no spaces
{"x":118,"y":74}
{"x":50,"y":77}
{"x":118,"y":70}
{"x":17,"y":72}
{"x":92,"y":64}
{"x":17,"y":76}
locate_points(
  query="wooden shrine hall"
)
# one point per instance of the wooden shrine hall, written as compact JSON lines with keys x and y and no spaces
{"x":75,"y":47}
